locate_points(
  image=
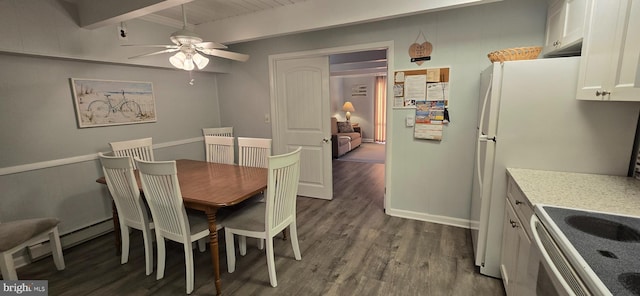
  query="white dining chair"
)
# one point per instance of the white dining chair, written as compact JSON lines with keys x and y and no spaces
{"x":254,"y":152}
{"x":17,"y":235}
{"x":218,"y":131}
{"x":265,"y":220}
{"x":140,"y":148}
{"x":219,"y":149}
{"x":132,"y":211}
{"x":162,"y":190}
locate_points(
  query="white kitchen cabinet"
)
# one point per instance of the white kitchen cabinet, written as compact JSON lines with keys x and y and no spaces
{"x":610,"y":64}
{"x":509,"y":255}
{"x":516,"y":242}
{"x":565,"y":27}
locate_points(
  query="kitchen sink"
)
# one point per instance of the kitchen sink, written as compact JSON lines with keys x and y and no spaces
{"x":603,"y":228}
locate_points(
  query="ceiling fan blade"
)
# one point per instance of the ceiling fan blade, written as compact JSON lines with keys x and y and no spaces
{"x":155,"y":53}
{"x":151,"y":45}
{"x":211,"y":45}
{"x":226,"y":54}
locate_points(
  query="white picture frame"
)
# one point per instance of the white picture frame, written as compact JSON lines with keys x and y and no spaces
{"x":112,"y":102}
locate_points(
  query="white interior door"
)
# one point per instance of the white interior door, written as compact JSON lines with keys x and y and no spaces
{"x":300,"y":108}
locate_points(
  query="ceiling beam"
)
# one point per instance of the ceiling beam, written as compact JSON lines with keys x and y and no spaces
{"x":98,"y":13}
{"x":304,"y":17}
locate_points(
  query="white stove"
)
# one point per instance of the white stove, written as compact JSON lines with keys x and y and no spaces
{"x":590,"y":253}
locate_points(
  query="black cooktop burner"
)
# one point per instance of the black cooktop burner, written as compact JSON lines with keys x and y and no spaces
{"x":610,"y":245}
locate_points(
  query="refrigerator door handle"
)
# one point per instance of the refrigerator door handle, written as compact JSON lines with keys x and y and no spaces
{"x":482,"y":137}
{"x":484,"y":107}
{"x":478,"y":164}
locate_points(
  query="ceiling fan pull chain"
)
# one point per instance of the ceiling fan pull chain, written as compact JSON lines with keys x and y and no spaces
{"x":191,"y":80}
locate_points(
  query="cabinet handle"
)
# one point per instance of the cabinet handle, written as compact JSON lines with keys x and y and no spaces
{"x":518,"y":202}
{"x":603,"y":93}
{"x":514,"y":224}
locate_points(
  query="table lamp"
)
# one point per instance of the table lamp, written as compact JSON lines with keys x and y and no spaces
{"x":348,"y":107}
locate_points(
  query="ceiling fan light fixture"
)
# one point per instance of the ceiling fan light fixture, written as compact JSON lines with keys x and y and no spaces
{"x":200,"y":61}
{"x":178,"y":60}
{"x":188,"y":64}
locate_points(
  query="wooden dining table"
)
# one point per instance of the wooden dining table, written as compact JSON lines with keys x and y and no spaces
{"x":207,"y":187}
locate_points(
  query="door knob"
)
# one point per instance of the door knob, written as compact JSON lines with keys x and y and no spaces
{"x":603,"y":93}
{"x":325,"y":140}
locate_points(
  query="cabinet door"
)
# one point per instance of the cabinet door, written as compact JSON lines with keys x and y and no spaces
{"x":610,"y":60}
{"x":566,"y":21}
{"x":509,"y":253}
{"x":555,"y":24}
{"x":574,"y":21}
{"x":626,"y":86}
{"x":525,"y":281}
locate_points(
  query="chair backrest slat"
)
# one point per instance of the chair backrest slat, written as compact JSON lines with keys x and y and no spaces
{"x":219,"y":149}
{"x":218,"y":131}
{"x":162,"y":190}
{"x":140,"y":148}
{"x":282,"y":189}
{"x":254,"y":152}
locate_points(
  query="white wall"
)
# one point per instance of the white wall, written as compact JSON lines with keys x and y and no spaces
{"x":48,"y":28}
{"x":335,"y":94}
{"x":362,"y":104}
{"x":429,"y":180}
{"x":39,"y":123}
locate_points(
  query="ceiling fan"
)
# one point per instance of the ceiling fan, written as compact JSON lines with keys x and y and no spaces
{"x":189,"y":47}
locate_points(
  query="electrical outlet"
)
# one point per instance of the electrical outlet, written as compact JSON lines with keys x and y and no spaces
{"x":410,"y":120}
{"x":267,"y":118}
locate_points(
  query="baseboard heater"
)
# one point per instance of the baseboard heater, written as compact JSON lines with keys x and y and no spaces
{"x":41,"y":250}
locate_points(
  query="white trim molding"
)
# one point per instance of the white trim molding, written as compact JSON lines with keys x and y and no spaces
{"x":82,"y":158}
{"x":457,"y":222}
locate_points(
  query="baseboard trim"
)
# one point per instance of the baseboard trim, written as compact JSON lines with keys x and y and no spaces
{"x":41,"y":250}
{"x":457,"y":222}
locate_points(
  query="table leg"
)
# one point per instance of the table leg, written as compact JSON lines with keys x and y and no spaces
{"x":116,"y":229}
{"x":213,"y":244}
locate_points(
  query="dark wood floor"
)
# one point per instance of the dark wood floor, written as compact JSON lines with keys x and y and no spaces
{"x":349,"y":247}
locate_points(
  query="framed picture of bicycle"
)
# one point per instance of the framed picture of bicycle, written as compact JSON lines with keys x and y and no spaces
{"x":112,"y":102}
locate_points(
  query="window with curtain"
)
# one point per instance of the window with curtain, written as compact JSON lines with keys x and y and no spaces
{"x":380,"y":110}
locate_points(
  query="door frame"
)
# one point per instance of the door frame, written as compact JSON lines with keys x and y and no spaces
{"x":388,"y":45}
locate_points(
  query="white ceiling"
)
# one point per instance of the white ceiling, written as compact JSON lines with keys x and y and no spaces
{"x":233,"y":21}
{"x":204,"y":11}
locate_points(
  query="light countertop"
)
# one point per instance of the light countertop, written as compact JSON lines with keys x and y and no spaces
{"x":613,"y":194}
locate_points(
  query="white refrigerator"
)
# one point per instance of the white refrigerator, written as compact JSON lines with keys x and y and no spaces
{"x":529,"y":118}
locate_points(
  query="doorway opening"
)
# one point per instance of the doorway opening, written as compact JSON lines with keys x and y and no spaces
{"x":358,"y":94}
{"x":304,"y":68}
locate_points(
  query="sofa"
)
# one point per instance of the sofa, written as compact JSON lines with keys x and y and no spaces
{"x":344,"y":137}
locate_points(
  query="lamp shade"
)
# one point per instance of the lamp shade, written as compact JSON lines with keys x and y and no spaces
{"x":348,"y":107}
{"x":177,"y":60}
{"x":200,"y":61}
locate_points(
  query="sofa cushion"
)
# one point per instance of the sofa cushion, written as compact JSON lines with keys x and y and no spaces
{"x":343,"y":140}
{"x":345,"y":127}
